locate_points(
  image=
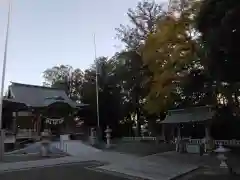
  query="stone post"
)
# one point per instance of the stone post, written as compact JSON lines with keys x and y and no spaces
{"x":93,"y":136}
{"x":108,"y":136}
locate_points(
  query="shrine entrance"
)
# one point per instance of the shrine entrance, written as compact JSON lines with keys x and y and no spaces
{"x":58,"y":118}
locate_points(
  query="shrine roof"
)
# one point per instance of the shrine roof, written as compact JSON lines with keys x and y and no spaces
{"x":39,"y":96}
{"x":14,"y":105}
{"x":189,"y":115}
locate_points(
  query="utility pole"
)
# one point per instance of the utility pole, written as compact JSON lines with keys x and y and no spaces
{"x":2,"y":138}
{"x":97,"y":88}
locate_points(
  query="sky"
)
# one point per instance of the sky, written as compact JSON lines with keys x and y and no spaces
{"x":46,"y":33}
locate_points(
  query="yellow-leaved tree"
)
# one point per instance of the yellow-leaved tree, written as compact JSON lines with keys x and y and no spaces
{"x":169,"y":53}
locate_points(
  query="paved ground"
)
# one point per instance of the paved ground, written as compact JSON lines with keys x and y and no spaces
{"x":75,"y":147}
{"x":209,"y":174}
{"x":124,"y":158}
{"x":66,"y":172}
{"x":151,"y":167}
{"x":33,"y":157}
{"x":142,"y":148}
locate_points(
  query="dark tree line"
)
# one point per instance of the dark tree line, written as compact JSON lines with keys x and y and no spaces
{"x":169,"y":61}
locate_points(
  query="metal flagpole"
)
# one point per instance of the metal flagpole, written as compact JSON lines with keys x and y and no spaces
{"x":97,"y":73}
{"x":3,"y":80}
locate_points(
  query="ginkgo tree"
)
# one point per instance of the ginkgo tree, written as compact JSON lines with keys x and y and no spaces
{"x":170,"y":54}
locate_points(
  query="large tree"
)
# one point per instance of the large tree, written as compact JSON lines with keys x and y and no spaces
{"x":218,"y":23}
{"x":143,"y":20}
{"x":172,"y":55}
{"x":110,"y":97}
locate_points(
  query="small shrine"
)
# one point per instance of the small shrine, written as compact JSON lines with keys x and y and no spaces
{"x":189,"y":124}
{"x":39,"y":108}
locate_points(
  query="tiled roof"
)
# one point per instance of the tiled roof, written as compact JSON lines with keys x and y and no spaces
{"x":188,"y":115}
{"x":39,"y":96}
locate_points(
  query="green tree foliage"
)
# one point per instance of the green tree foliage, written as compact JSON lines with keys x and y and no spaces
{"x":218,"y":23}
{"x":143,"y":20}
{"x":65,"y":77}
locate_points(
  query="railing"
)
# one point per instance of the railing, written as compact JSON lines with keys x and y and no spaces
{"x":10,"y":139}
{"x":147,"y":138}
{"x":26,"y":133}
{"x":232,"y":142}
{"x":62,"y":146}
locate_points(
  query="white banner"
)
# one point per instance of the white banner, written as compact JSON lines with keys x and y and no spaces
{"x":54,"y":121}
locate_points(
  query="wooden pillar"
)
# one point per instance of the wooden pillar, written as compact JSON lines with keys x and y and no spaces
{"x":163,"y":132}
{"x":173,"y":132}
{"x":2,"y":139}
{"x":14,"y":122}
{"x":179,"y":132}
{"x":178,"y":139}
{"x":208,"y":142}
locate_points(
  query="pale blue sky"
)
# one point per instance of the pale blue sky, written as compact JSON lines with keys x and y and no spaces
{"x":45,"y":33}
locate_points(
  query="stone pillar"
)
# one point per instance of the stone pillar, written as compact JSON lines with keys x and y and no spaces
{"x":108,"y":137}
{"x":93,"y":136}
{"x":45,"y":143}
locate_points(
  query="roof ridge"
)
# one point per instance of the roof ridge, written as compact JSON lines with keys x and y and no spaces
{"x":34,"y":86}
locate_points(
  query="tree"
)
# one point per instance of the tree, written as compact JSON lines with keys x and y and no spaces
{"x":110,"y":99}
{"x":65,"y":77}
{"x":218,"y":23}
{"x":171,"y":54}
{"x":143,"y":21}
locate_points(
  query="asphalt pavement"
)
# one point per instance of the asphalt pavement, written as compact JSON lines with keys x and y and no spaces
{"x":65,"y":172}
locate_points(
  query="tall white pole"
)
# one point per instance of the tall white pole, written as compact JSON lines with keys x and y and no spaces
{"x":3,"y":79}
{"x":97,"y":73}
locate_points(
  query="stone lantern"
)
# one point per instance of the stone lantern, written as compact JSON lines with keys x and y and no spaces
{"x":45,"y":143}
{"x":108,"y":136}
{"x":221,"y":156}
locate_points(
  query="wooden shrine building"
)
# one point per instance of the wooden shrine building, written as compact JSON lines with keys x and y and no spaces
{"x":193,"y":123}
{"x":38,"y":108}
